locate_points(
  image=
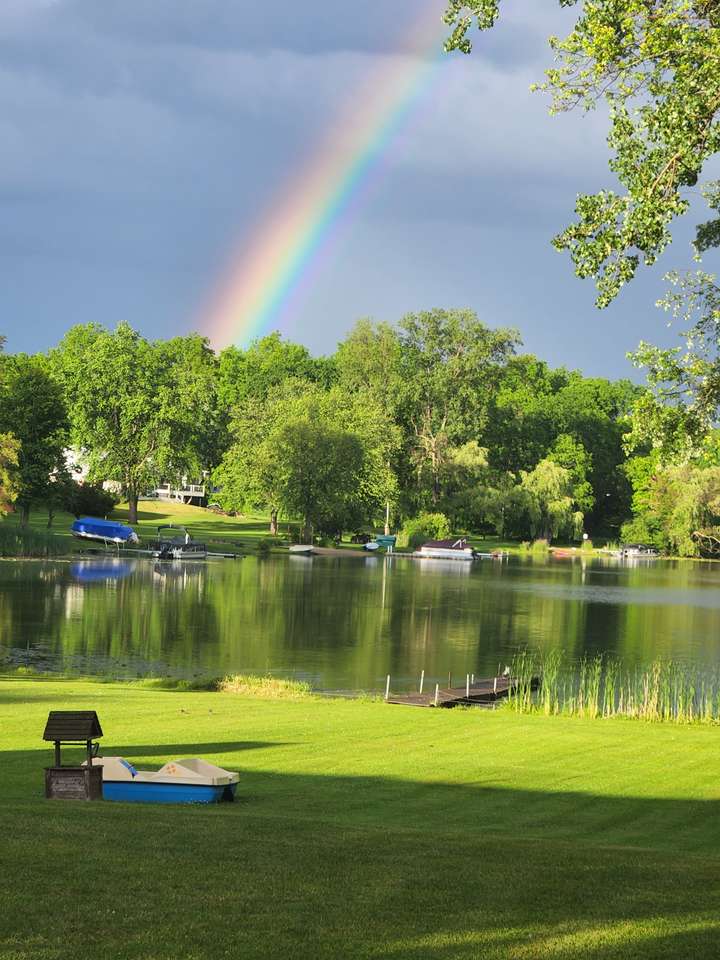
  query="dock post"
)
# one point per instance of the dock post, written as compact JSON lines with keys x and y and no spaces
{"x":422,"y":680}
{"x":472,"y":679}
{"x":437,"y":690}
{"x":387,"y":687}
{"x":495,"y":685}
{"x":467,"y":686}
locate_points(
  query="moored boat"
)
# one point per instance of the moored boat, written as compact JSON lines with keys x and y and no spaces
{"x":106,"y":531}
{"x":445,"y":550}
{"x":175,"y":543}
{"x":638,"y":551}
{"x":301,"y":549}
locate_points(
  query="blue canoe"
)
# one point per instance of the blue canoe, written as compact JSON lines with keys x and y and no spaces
{"x":92,"y":528}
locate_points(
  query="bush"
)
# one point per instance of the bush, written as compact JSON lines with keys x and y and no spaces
{"x":639,"y":531}
{"x":587,"y":544}
{"x":540,"y":546}
{"x":426,"y":526}
{"x":90,"y":500}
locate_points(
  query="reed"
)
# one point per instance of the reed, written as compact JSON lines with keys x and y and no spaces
{"x":271,"y":688}
{"x":18,"y":541}
{"x":663,"y":691}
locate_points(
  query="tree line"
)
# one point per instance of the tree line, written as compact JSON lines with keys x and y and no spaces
{"x":438,"y":423}
{"x":438,"y":414}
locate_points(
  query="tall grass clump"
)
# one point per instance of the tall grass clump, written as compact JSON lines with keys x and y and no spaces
{"x":522,"y":670}
{"x":22,"y":542}
{"x":601,"y":686}
{"x":269,"y":688}
{"x":540,"y":546}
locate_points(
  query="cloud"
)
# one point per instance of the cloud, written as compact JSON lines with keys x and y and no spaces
{"x":142,"y":140}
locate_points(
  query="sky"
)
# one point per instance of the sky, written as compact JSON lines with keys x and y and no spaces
{"x":143,"y":145}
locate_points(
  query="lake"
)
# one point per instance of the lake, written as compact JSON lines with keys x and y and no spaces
{"x":346,"y":623}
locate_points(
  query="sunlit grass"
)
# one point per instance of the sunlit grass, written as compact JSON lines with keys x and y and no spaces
{"x":266,"y":687}
{"x":362,"y":830}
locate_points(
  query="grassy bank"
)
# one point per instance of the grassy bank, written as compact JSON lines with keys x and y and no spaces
{"x":247,"y":532}
{"x":235,"y":532}
{"x":363,"y":830}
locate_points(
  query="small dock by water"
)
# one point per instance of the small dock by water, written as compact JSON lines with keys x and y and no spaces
{"x":474,"y":692}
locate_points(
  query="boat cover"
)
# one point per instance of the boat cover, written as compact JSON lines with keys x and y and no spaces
{"x":95,"y":529}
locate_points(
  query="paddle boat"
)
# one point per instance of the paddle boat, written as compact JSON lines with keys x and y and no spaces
{"x":179,"y":781}
{"x":107,"y":531}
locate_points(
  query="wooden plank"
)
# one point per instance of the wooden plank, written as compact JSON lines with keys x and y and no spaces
{"x":72,"y":726}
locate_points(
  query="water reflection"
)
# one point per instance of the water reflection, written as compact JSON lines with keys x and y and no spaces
{"x":345,"y":623}
{"x":93,"y":571}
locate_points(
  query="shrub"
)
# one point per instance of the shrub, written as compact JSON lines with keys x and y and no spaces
{"x":540,"y":546}
{"x":426,"y":526}
{"x":90,"y":500}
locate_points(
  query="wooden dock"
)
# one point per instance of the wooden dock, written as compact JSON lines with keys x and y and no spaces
{"x":481,"y":692}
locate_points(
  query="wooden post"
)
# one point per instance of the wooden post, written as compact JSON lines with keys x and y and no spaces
{"x":472,"y":679}
{"x":437,"y":690}
{"x":387,"y":687}
{"x":495,"y":685}
{"x":467,"y":686}
{"x":422,"y":680}
{"x":57,"y":753}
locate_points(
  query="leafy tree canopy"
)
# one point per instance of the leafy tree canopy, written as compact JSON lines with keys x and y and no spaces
{"x":138,"y":409}
{"x":656,"y":63}
{"x":32,"y":408}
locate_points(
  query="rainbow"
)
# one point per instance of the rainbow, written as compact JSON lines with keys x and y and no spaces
{"x":270,"y":268}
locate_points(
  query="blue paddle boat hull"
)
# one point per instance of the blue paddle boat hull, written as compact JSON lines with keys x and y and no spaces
{"x":141,"y":791}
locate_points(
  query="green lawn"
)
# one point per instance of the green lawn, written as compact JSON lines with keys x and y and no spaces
{"x":203,"y":524}
{"x":362,"y":830}
{"x":240,"y":532}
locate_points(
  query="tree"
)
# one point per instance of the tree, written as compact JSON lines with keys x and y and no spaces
{"x":449,"y":362}
{"x":138,"y":409}
{"x":268,"y":362}
{"x":572,"y":455}
{"x":254,"y":470}
{"x":550,"y":503}
{"x":32,"y":408}
{"x":9,"y":483}
{"x":320,"y":470}
{"x":656,"y":64}
{"x":680,"y":509}
{"x":678,"y":414}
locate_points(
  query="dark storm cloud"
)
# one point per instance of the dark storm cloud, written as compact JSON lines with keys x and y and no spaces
{"x":141,"y":140}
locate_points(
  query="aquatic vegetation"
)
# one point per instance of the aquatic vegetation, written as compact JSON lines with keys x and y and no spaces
{"x":601,"y":686}
{"x":266,"y":687}
{"x":16,"y":541}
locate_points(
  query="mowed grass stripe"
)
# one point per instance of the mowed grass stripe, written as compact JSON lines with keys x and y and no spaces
{"x":363,"y":830}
